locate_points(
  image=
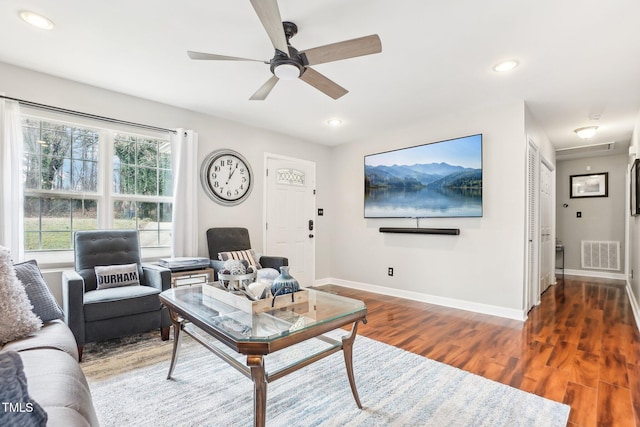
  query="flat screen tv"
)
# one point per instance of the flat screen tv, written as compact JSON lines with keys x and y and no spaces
{"x":440,"y":179}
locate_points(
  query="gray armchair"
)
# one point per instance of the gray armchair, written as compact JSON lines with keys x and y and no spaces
{"x":102,"y":314}
{"x":226,"y":239}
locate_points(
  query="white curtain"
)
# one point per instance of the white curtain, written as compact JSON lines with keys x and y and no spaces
{"x":11,"y":215}
{"x":184,"y":151}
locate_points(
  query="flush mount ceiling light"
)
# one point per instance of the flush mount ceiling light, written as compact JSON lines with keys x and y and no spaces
{"x":334,"y":122}
{"x":504,"y":66}
{"x":586,"y":132}
{"x":36,"y":20}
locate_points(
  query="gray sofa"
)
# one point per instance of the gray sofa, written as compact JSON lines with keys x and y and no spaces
{"x":54,"y":377}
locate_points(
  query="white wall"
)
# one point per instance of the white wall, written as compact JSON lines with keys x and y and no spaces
{"x":482,"y":268}
{"x":214,"y":133}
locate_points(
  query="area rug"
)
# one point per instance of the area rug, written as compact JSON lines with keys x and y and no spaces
{"x":397,"y":388}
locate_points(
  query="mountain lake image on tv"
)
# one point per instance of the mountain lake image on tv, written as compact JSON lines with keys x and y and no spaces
{"x":440,"y":179}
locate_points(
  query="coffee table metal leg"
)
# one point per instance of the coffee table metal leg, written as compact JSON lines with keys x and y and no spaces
{"x":177,"y":340}
{"x":347,"y":350}
{"x":258,"y":375}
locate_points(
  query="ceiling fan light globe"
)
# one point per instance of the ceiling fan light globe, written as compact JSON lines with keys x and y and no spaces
{"x":287,"y":72}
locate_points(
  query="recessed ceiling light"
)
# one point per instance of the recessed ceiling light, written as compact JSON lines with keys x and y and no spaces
{"x":36,"y":20}
{"x":334,"y":122}
{"x":505,"y":66}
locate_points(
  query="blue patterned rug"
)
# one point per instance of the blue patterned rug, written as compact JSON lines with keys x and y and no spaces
{"x":396,"y":388}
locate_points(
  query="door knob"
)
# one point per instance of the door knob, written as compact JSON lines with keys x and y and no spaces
{"x":311,"y":236}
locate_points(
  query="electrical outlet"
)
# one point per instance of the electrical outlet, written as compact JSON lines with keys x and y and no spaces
{"x":390,"y":271}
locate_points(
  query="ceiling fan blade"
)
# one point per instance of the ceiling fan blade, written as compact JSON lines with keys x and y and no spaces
{"x":214,"y":57}
{"x":269,"y":15}
{"x":343,"y":50}
{"x":262,"y":93}
{"x":322,"y":83}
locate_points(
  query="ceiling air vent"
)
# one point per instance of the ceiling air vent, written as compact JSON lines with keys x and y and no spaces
{"x":585,"y":150}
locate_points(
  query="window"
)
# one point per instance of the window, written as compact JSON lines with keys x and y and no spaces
{"x":142,"y":188}
{"x":81,"y":177}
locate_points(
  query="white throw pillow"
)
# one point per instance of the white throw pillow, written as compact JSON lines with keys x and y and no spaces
{"x":17,"y":319}
{"x":112,"y":276}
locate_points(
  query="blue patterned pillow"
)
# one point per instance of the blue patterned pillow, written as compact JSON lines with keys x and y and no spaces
{"x":44,"y":304}
{"x":17,"y":409}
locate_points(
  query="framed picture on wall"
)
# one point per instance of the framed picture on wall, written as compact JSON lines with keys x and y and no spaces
{"x":590,"y":185}
{"x":634,"y":176}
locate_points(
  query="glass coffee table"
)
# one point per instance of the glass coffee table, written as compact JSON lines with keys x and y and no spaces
{"x":205,"y":314}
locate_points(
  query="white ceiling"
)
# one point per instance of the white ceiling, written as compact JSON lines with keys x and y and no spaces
{"x":578,"y":58}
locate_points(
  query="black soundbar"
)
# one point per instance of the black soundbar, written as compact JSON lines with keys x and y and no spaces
{"x":447,"y":231}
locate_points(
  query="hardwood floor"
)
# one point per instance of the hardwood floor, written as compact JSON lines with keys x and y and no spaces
{"x":580,"y":346}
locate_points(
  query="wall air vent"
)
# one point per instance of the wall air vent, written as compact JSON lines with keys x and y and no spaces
{"x":585,"y":150}
{"x":601,"y":255}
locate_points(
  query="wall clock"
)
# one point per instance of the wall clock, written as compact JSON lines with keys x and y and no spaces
{"x":226,"y":177}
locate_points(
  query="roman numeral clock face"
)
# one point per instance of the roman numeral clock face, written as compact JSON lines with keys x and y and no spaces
{"x":226,"y":177}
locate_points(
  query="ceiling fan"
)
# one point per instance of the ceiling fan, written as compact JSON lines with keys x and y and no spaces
{"x":288,"y":63}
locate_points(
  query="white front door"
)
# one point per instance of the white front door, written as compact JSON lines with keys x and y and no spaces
{"x":290,"y":214}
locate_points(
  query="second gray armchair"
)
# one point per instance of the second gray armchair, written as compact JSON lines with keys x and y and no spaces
{"x":229,"y":239}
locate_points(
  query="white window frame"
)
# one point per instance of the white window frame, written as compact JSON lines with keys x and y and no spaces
{"x":104,"y":194}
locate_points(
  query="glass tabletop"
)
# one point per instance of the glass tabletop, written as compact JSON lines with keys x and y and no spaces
{"x":201,"y":304}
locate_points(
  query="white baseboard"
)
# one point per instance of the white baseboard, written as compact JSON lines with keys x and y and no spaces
{"x":492,"y":310}
{"x":598,"y":274}
{"x":635,"y":308}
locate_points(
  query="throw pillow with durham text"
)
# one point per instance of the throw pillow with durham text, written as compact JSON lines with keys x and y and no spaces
{"x":113,"y":276}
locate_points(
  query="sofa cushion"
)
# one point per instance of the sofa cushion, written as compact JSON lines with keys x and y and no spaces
{"x":44,"y":304}
{"x":55,"y":334}
{"x":121,"y":301}
{"x":58,"y":384}
{"x":17,"y":319}
{"x":17,"y":409}
{"x":112,"y":276}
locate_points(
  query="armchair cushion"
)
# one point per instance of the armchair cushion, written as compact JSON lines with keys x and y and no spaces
{"x":112,"y":276}
{"x":44,"y":304}
{"x":120,"y":301}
